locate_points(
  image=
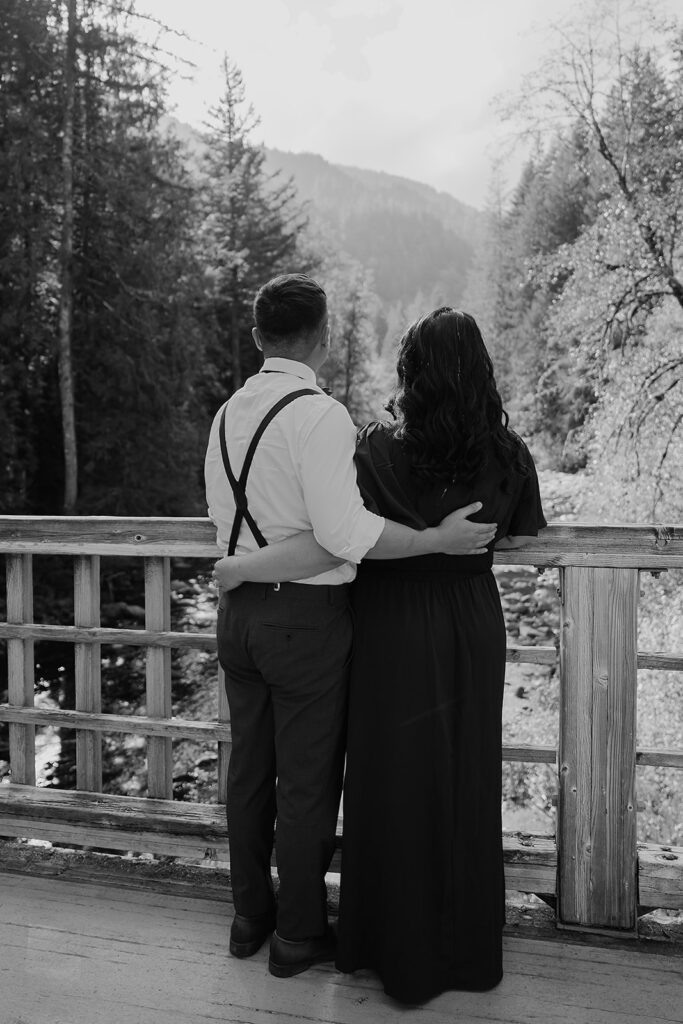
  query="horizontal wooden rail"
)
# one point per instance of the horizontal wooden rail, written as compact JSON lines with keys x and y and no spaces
{"x":170,"y":728}
{"x":660,"y":758}
{"x":522,"y":654}
{"x":182,"y":729}
{"x":104,"y":635}
{"x":173,"y":828}
{"x":108,"y":535}
{"x":642,"y":547}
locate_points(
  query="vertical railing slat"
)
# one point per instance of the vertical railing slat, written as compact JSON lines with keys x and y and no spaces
{"x":87,"y":662}
{"x":223,"y":748}
{"x":21,"y":668}
{"x":597,"y":749}
{"x":158,"y":674}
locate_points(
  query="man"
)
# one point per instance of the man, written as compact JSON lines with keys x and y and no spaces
{"x":279,"y":462}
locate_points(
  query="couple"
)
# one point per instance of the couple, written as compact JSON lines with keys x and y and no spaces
{"x":417,"y":709}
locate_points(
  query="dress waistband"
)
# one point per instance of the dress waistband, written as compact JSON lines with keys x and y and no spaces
{"x":429,"y":567}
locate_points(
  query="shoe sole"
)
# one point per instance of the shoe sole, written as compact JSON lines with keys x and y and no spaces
{"x":246,"y":949}
{"x":289,"y":970}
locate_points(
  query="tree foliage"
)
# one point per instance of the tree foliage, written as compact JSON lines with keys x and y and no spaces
{"x":126,"y":279}
{"x":589,"y":249}
{"x":354,"y":371}
{"x":250,"y":228}
{"x":118,"y":294}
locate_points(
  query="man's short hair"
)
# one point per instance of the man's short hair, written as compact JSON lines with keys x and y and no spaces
{"x":289,"y":308}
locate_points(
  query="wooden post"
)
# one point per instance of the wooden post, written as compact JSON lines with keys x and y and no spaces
{"x":88,"y":672}
{"x":158,"y":669}
{"x":21,"y":668}
{"x":223,"y":748}
{"x":597,"y":864}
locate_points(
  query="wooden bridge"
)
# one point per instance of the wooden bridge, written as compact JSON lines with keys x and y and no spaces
{"x":153,"y":955}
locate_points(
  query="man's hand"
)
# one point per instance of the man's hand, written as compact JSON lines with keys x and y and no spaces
{"x":458,"y":536}
{"x":225,"y":573}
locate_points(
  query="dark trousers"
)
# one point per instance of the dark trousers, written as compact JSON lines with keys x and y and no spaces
{"x":286,"y":657}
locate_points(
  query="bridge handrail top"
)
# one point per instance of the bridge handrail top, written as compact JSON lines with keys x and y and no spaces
{"x":554,"y":526}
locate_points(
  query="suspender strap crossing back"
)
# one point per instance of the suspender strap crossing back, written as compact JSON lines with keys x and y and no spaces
{"x":242,"y":513}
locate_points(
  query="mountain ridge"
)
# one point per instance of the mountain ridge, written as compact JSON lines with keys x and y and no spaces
{"x":416,"y":240}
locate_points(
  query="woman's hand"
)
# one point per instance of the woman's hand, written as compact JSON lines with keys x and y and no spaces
{"x":225,"y":573}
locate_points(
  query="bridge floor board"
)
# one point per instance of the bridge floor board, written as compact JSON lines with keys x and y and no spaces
{"x":77,"y":953}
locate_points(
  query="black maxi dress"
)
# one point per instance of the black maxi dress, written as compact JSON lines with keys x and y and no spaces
{"x":422,"y":890}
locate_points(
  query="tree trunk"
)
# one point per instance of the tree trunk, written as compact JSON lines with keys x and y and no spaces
{"x":235,"y":334}
{"x":65,"y":362}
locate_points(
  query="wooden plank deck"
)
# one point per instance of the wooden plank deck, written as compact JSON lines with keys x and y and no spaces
{"x":82,"y":953}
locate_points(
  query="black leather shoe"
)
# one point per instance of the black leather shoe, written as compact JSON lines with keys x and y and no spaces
{"x":248,"y":934}
{"x":288,"y":957}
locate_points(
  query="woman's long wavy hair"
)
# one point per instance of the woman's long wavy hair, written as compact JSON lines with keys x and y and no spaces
{"x":446,"y":404}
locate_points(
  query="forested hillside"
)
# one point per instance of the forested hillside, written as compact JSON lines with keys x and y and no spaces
{"x":578,"y":282}
{"x":416,"y":241}
{"x":415,"y":245}
{"x":126,"y":280}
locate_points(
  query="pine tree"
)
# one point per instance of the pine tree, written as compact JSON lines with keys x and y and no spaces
{"x":30,"y":54}
{"x":357,"y":376}
{"x":137,"y":336}
{"x":96,"y":270}
{"x":66,"y":259}
{"x":251,"y":224}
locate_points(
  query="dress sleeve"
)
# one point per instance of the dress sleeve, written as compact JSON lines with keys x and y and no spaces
{"x":379,"y":486}
{"x":527,"y":517}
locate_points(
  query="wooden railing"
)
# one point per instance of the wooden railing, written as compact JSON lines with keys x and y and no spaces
{"x":596,"y":870}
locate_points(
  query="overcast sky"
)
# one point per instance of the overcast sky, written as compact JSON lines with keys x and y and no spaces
{"x":403,"y":86}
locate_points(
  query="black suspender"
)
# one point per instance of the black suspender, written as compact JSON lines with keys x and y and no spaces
{"x":242,"y":512}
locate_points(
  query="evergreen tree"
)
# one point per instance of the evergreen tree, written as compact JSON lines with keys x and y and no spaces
{"x":29,"y":183}
{"x":353,"y":371}
{"x":96,"y":270}
{"x":251,"y":223}
{"x":138,"y":341}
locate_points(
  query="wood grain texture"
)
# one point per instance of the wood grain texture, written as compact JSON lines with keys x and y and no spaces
{"x":538,"y":754}
{"x":596,"y":807}
{"x":173,"y":828}
{"x":108,"y":535}
{"x":21,"y":668}
{"x":74,"y":953}
{"x":660,"y":661}
{"x":106,"y":635}
{"x":87,"y":668}
{"x":173,"y":728}
{"x":520,"y":654}
{"x":660,"y":758}
{"x":660,"y":876}
{"x":653,"y":547}
{"x":112,"y":822}
{"x":184,"y":729}
{"x":158,"y":675}
{"x":515,"y":653}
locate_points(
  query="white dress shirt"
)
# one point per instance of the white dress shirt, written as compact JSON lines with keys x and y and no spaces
{"x":303,"y":475}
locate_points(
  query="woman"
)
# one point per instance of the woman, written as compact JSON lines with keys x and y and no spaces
{"x":422,"y":889}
